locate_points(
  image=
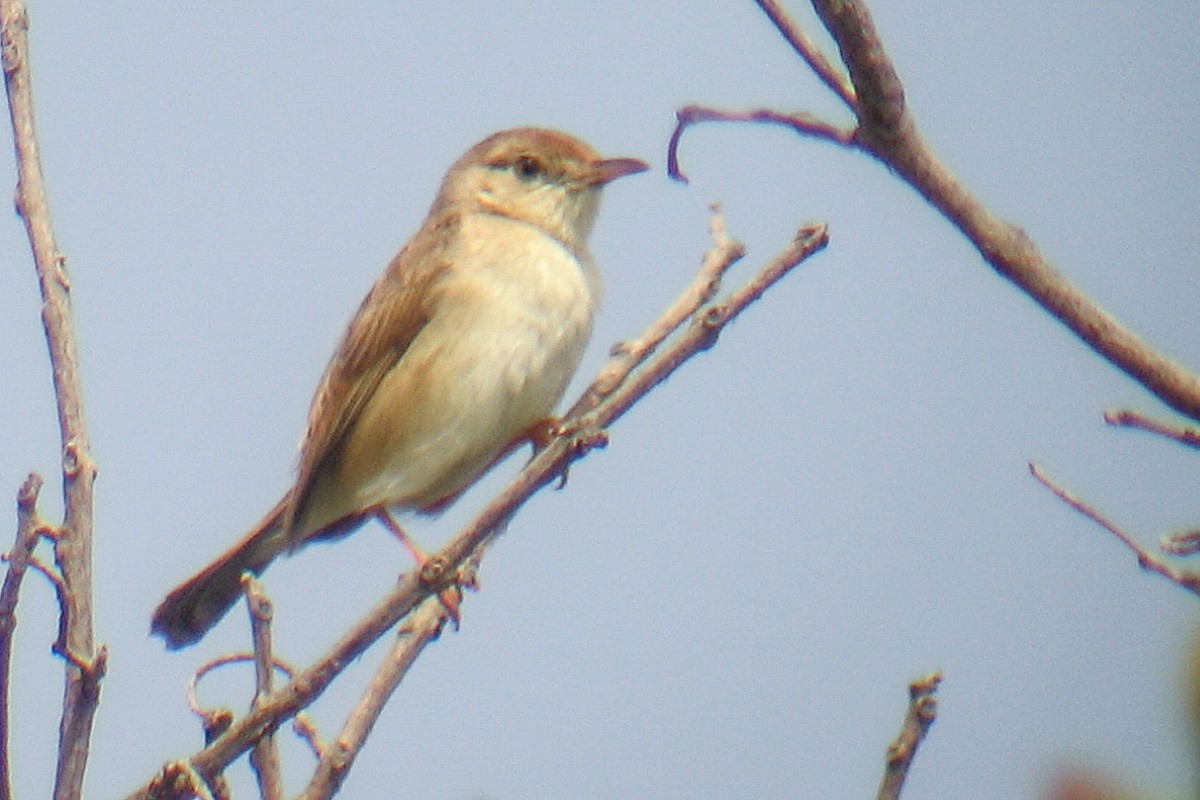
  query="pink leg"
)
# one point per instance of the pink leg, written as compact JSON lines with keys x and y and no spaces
{"x":389,"y":522}
{"x":449,"y":597}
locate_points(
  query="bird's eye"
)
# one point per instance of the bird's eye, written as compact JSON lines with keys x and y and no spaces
{"x":527,"y":168}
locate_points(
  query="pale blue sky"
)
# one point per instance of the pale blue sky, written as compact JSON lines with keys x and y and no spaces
{"x":730,"y":600}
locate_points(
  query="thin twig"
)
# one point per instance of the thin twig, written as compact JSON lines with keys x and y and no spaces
{"x":1146,"y":560}
{"x":922,"y":711}
{"x":706,"y":325}
{"x":458,"y":559}
{"x":52,"y":577}
{"x":888,"y":132}
{"x":73,"y":548}
{"x":1184,"y":434}
{"x":264,"y":757}
{"x":422,"y":627}
{"x":724,"y":253}
{"x":29,"y":527}
{"x":302,"y":726}
{"x":801,"y":122}
{"x":831,"y":76}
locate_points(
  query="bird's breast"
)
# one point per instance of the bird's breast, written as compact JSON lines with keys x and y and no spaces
{"x":522,"y":301}
{"x":508,"y":323}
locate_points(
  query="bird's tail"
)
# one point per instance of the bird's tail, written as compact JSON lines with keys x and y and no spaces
{"x":200,"y":602}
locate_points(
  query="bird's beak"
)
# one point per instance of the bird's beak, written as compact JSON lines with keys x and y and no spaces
{"x":610,"y":169}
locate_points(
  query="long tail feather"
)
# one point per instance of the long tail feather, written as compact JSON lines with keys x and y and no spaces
{"x":199,"y":603}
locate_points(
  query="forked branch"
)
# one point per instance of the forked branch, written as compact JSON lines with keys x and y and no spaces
{"x":73,"y":539}
{"x":887,"y":131}
{"x":630,"y":375}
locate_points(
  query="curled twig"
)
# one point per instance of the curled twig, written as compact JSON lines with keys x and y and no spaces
{"x":193,"y":686}
{"x":887,"y":131}
{"x":801,"y":122}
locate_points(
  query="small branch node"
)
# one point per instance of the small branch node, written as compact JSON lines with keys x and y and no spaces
{"x":303,"y":726}
{"x":922,"y":711}
{"x":72,"y":462}
{"x":1181,"y":543}
{"x":92,"y":669}
{"x":433,"y":572}
{"x":27,"y":495}
{"x":586,"y":440}
{"x":10,"y":52}
{"x":61,"y":275}
{"x":179,"y":779}
{"x":259,"y":605}
{"x":214,"y":722}
{"x":713,"y":318}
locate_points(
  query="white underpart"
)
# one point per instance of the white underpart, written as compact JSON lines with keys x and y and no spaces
{"x":506,"y":348}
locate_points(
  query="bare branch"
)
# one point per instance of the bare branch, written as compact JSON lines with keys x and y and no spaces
{"x":73,"y":548}
{"x":29,"y":531}
{"x":723,"y":254}
{"x":1185,"y":435}
{"x":1146,"y":560}
{"x":456,"y":562}
{"x":264,"y":757}
{"x":887,"y":131}
{"x":830,"y":75}
{"x":705,"y":327}
{"x":922,"y":711}
{"x":422,"y":627}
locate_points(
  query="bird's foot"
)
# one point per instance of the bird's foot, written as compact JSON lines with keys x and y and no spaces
{"x":431,"y":570}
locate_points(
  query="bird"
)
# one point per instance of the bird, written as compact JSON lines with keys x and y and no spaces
{"x":457,"y":355}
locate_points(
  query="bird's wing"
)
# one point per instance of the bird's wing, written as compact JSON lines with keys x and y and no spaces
{"x":390,"y":317}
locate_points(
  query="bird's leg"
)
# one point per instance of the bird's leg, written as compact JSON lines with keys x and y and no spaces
{"x":389,"y":522}
{"x":430,"y":569}
{"x":540,"y":434}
